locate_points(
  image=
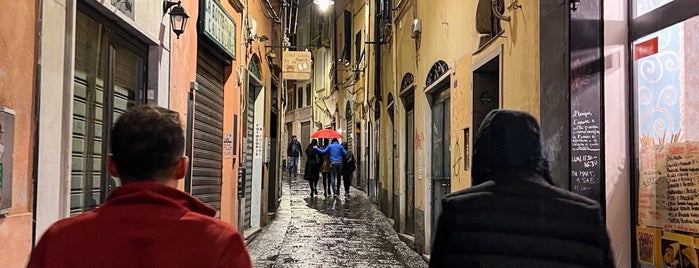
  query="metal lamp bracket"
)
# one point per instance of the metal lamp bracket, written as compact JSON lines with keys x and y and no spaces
{"x":514,"y":4}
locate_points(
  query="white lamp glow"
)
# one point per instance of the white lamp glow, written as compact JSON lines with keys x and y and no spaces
{"x":323,"y":4}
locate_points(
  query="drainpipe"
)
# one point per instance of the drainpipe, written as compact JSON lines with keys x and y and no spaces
{"x":37,"y":101}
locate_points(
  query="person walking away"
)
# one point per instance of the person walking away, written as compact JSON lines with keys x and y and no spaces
{"x":515,"y":216}
{"x":147,"y":222}
{"x":337,"y":153}
{"x":325,"y":169}
{"x":348,"y":167}
{"x":293,"y":152}
{"x":312,"y":167}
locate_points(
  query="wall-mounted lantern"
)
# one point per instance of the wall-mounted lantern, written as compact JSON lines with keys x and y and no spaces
{"x":178,"y":16}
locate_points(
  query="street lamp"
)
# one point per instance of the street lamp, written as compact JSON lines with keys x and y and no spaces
{"x":178,"y":16}
{"x":323,"y":4}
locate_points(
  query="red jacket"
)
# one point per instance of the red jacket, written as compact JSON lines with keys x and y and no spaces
{"x":143,"y":224}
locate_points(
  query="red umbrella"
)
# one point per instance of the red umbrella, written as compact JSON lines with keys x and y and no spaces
{"x":326,"y":133}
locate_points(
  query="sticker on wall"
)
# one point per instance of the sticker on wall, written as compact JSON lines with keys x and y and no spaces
{"x":228,"y":145}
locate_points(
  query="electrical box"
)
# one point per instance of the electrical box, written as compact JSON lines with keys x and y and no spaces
{"x":7,"y":140}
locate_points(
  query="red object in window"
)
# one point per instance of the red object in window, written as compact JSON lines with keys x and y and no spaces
{"x":645,"y":49}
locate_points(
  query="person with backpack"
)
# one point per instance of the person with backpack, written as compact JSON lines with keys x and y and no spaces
{"x":348,"y":167}
{"x":325,"y":168}
{"x":336,"y":154}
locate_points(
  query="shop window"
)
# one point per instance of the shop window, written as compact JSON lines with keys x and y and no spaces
{"x":641,"y":7}
{"x":666,"y":83}
{"x":98,"y":100}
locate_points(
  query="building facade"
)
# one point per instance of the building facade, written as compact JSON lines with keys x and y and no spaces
{"x":18,"y":56}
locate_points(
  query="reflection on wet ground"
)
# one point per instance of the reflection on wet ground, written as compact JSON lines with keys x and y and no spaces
{"x":343,"y":231}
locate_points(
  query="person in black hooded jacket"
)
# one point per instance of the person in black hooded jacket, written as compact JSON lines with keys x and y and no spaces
{"x":312,"y":167}
{"x":514,"y":216}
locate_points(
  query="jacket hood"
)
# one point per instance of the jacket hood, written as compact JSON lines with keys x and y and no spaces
{"x":508,"y":140}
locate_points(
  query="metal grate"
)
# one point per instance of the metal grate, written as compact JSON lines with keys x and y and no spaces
{"x":208,"y":133}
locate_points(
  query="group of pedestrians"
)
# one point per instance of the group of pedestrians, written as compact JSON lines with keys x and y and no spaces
{"x":513,"y":216}
{"x":329,"y":159}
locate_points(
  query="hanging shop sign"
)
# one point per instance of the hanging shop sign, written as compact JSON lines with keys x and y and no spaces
{"x":297,"y":65}
{"x":219,"y":26}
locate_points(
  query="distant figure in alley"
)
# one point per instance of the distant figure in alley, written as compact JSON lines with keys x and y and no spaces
{"x":514,"y":216}
{"x":147,"y":222}
{"x":293,"y":152}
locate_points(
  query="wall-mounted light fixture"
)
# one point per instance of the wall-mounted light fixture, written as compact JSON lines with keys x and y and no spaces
{"x":178,"y":16}
{"x":574,"y":5}
{"x":324,"y":4}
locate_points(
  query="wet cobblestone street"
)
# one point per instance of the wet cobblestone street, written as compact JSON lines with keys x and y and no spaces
{"x":329,"y":232}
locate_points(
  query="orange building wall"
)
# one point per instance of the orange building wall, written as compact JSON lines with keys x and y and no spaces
{"x":183,"y":72}
{"x":17,"y":77}
{"x":231,"y":106}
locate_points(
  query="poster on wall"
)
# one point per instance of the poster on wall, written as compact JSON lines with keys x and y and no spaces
{"x":228,"y":145}
{"x":648,"y":246}
{"x":678,"y":251}
{"x":7,"y":137}
{"x":258,"y":142}
{"x":669,"y":186}
{"x":586,"y":168}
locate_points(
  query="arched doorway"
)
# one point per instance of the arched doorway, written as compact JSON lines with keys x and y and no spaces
{"x":438,"y":86}
{"x":253,"y":137}
{"x":393,"y":196}
{"x":407,"y":90}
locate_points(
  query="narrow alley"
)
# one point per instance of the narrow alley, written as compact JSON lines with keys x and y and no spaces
{"x":329,"y":232}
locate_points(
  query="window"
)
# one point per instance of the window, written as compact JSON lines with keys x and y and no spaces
{"x":641,"y":7}
{"x":348,"y":38}
{"x":308,"y":95}
{"x":292,"y":98}
{"x":664,"y":48}
{"x":299,"y":91}
{"x":98,"y":100}
{"x":358,"y":53}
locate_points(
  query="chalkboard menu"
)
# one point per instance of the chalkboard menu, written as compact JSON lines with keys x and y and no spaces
{"x":586,"y":166}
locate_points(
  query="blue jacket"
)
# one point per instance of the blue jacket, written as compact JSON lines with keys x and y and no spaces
{"x":337,"y":152}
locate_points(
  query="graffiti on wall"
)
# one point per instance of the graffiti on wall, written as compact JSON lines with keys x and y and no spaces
{"x":457,"y":155}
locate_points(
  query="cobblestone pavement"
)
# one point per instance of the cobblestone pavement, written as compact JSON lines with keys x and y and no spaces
{"x":329,"y":232}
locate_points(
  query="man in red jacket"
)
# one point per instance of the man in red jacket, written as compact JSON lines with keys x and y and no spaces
{"x":147,"y":222}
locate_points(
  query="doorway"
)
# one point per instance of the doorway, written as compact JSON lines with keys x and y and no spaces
{"x":410,"y":167}
{"x":486,"y":90}
{"x":441,"y":156}
{"x":254,"y":122}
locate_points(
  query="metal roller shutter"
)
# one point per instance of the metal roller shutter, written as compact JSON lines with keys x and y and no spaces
{"x":208,"y":132}
{"x":249,"y":134}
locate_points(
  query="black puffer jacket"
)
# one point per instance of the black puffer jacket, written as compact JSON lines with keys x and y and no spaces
{"x":515,"y":216}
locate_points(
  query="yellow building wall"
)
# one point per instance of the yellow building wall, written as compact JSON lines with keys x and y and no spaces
{"x":520,"y":79}
{"x":449,"y":34}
